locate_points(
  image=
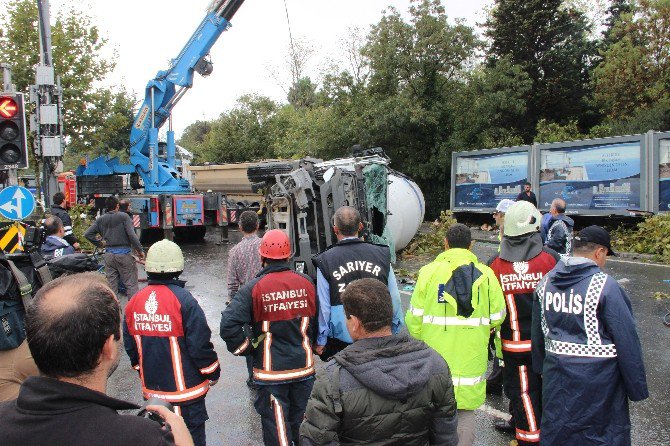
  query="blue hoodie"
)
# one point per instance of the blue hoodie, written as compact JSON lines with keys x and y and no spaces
{"x":585,"y":343}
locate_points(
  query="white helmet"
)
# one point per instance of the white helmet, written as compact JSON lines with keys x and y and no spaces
{"x":504,"y":205}
{"x":164,"y":257}
{"x":522,"y":218}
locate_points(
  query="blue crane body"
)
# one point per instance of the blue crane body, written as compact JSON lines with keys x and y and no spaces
{"x":165,"y":191}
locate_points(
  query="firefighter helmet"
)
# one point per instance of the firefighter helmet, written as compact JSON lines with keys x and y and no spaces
{"x":164,"y":257}
{"x":521,"y":218}
{"x":275,"y":245}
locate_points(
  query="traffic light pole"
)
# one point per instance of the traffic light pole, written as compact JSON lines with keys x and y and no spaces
{"x":7,"y":87}
{"x":47,"y":120}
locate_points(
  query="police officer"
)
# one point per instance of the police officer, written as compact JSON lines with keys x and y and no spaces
{"x":271,"y":317}
{"x":522,"y":263}
{"x":349,"y":259}
{"x":586,"y":345}
{"x":167,"y":339}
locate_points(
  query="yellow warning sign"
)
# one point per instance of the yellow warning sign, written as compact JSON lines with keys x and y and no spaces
{"x":11,"y":238}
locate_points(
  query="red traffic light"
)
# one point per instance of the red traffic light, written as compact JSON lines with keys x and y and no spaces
{"x":8,"y":108}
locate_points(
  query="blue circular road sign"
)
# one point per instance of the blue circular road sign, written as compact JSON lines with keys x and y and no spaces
{"x":16,"y":203}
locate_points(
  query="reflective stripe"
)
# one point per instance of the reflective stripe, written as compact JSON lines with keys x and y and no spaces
{"x":177,"y":410}
{"x":465,"y":381}
{"x":136,"y":367}
{"x":210,"y":369}
{"x":415,"y":311}
{"x":283,"y":375}
{"x":138,"y":343}
{"x":581,"y":350}
{"x":178,"y":396}
{"x":516,"y":346}
{"x":305,"y":342}
{"x":513,"y":319}
{"x":279,"y":421}
{"x":528,"y":436}
{"x":499,"y":315}
{"x":470,"y":322}
{"x":591,"y":308}
{"x":176,"y":363}
{"x":267,"y":355}
{"x":525,"y":398}
{"x":242,"y":347}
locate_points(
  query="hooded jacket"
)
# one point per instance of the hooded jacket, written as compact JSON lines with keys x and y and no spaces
{"x":455,"y":303}
{"x":586,"y":345}
{"x":559,"y":235}
{"x":391,"y":390}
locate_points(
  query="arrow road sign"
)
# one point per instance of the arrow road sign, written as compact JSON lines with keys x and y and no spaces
{"x":16,"y":203}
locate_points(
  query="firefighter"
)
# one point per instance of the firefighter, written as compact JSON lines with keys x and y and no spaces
{"x":586,"y":345}
{"x":521,"y":264}
{"x":167,"y":338}
{"x":349,"y":259}
{"x":272,"y":318}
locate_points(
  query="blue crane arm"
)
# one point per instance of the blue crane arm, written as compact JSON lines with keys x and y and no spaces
{"x":161,"y":95}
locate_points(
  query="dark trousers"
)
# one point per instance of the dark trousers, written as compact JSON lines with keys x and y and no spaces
{"x":523,"y":387}
{"x":282,"y":408}
{"x":195,"y":415}
{"x":121,"y":267}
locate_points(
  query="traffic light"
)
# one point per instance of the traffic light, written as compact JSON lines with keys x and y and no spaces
{"x":13,"y":143}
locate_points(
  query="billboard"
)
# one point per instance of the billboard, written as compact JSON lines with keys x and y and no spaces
{"x":664,"y":176}
{"x":483,"y":180}
{"x":600,"y":178}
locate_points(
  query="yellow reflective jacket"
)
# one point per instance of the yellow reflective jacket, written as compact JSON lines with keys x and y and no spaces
{"x":456,"y":302}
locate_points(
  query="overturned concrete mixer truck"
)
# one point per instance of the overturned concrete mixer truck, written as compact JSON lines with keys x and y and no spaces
{"x":302,"y":196}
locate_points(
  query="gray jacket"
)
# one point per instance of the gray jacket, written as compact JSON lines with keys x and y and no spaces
{"x":116,"y":229}
{"x":392,"y":390}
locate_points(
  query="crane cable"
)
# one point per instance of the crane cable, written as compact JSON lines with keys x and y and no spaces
{"x":290,"y":36}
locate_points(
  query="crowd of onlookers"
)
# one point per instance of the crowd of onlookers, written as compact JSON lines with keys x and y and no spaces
{"x":561,"y":330}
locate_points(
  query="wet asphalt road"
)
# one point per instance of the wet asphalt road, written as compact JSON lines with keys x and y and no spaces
{"x":234,"y":422}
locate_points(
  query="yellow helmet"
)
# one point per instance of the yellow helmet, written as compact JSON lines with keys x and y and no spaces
{"x":164,"y":257}
{"x":521,"y":218}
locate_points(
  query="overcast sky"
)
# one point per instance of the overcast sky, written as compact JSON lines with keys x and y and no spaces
{"x":148,"y":33}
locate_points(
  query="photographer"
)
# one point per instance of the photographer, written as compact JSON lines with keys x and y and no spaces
{"x":73,"y":327}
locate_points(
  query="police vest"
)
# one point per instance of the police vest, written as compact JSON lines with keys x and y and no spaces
{"x":350,"y":260}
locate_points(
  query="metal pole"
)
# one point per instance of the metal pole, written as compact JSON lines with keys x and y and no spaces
{"x":7,"y":87}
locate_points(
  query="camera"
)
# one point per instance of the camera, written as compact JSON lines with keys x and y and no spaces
{"x":33,"y":238}
{"x":151,"y":415}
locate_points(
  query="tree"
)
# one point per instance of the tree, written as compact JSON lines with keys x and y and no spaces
{"x":549,"y":41}
{"x":90,"y":112}
{"x":632,"y":82}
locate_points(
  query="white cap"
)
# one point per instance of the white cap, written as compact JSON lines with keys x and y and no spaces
{"x":504,"y":205}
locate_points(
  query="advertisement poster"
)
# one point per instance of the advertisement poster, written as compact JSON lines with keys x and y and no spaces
{"x":482,"y":181}
{"x":603,"y":177}
{"x":664,"y":176}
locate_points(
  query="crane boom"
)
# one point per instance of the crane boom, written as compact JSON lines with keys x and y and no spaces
{"x":162,"y":94}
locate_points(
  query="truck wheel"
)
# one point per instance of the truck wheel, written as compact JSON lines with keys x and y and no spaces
{"x":266,"y":171}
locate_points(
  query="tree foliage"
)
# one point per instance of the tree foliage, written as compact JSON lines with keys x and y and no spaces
{"x":97,"y":120}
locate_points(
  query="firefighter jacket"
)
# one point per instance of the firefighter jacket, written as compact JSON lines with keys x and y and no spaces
{"x":518,"y":281}
{"x":586,"y":345}
{"x":167,"y":338}
{"x":271,"y":317}
{"x":339,"y":265}
{"x":456,"y":302}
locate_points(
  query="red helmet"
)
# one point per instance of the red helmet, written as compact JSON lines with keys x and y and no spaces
{"x":275,"y":245}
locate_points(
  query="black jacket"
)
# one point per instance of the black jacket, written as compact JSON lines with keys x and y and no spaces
{"x":52,"y":412}
{"x":529,"y":198}
{"x":559,"y":234}
{"x":61,"y":213}
{"x":386,"y":391}
{"x":274,"y":311}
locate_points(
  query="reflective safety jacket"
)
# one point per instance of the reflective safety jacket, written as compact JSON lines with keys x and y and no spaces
{"x":586,"y":345}
{"x":456,"y":302}
{"x":518,"y":281}
{"x":272,"y":318}
{"x":167,"y":338}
